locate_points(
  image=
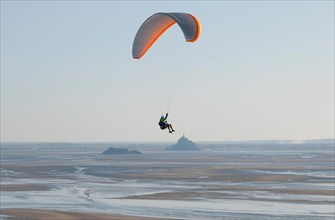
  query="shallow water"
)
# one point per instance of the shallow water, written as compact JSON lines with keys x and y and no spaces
{"x":218,"y":183}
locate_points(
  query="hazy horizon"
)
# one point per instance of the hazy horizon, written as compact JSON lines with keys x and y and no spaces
{"x":259,"y":71}
{"x":273,"y":141}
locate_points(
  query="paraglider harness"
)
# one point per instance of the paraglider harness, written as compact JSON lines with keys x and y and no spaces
{"x":162,"y":122}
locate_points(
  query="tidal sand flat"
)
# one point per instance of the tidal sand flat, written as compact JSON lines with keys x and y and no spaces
{"x":221,"y":181}
{"x":36,"y":214}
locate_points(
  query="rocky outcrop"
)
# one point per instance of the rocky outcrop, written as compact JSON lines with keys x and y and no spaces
{"x":113,"y":150}
{"x":183,"y":144}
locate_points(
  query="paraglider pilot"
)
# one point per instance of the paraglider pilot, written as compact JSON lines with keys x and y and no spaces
{"x":163,"y":124}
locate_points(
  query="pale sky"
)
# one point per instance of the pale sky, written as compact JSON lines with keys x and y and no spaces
{"x":259,"y":70}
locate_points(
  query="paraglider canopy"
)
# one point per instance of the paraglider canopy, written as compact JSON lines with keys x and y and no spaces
{"x":157,"y":24}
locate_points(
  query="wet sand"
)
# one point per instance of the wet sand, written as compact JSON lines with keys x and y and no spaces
{"x":37,"y":214}
{"x":215,"y":195}
{"x":23,"y":187}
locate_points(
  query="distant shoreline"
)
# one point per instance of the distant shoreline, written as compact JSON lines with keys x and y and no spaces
{"x":259,"y":141}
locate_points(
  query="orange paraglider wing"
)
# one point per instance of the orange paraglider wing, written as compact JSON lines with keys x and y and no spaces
{"x":157,"y":24}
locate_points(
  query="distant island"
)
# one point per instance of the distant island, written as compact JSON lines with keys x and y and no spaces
{"x":113,"y":150}
{"x":183,"y":144}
